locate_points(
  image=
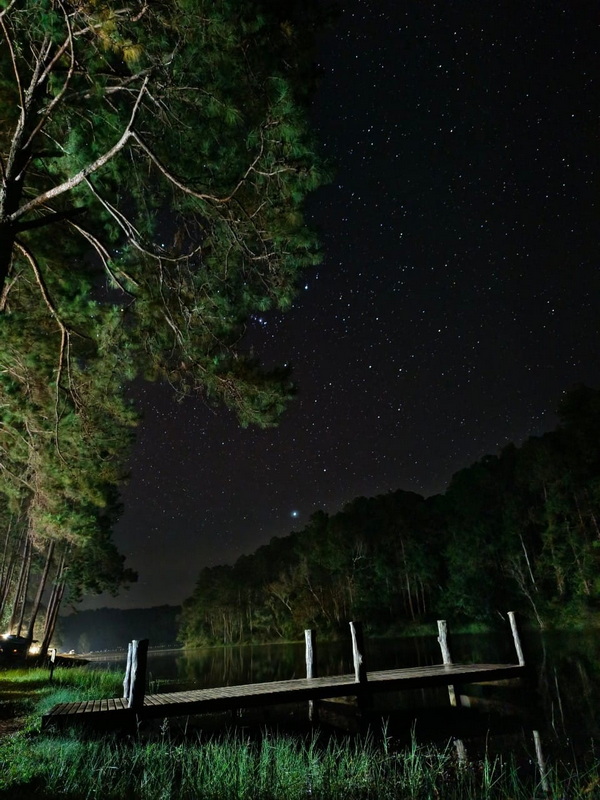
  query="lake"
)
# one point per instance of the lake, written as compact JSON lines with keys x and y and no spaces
{"x":560,"y":699}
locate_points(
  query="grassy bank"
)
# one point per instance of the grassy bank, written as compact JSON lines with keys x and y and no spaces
{"x":269,"y":766}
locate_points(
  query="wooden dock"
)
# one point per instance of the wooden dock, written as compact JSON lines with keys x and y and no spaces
{"x":116,"y":713}
{"x":136,"y":705}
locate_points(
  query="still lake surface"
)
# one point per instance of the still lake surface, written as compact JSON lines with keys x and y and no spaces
{"x":560,"y":698}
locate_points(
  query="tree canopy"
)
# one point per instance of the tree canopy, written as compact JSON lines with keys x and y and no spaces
{"x":154,"y":159}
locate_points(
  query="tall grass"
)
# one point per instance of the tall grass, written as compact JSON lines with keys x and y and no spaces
{"x":32,"y":689}
{"x":274,"y":768}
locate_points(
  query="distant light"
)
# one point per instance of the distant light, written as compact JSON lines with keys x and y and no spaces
{"x":294,"y":514}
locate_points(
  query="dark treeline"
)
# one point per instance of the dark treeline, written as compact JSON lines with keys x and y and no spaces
{"x":518,"y":530}
{"x":114,"y":628}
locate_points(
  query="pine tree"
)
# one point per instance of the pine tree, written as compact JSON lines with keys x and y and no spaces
{"x":154,"y":159}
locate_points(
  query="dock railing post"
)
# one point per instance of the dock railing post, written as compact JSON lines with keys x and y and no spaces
{"x":446,"y":657}
{"x":137,"y":685}
{"x":461,"y":750}
{"x":310,"y":639}
{"x":358,"y":652}
{"x":516,"y":639}
{"x":443,"y":641}
{"x":364,"y":698}
{"x":127,"y":678}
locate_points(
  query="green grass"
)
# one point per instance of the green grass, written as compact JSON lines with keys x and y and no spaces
{"x":274,"y":768}
{"x":233,"y":766}
{"x":30,"y":693}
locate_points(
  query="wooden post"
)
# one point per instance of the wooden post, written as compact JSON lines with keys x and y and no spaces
{"x":461,"y":750}
{"x":52,"y":661}
{"x":541,"y":762}
{"x":311,"y":669}
{"x":364,"y":699}
{"x":446,"y":657}
{"x":516,"y":639}
{"x":309,"y":638}
{"x":127,"y":679}
{"x":137,"y":686}
{"x":443,"y":641}
{"x":358,"y":652}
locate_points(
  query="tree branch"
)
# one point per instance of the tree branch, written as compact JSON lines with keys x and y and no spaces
{"x":131,"y":232}
{"x":64,"y":333}
{"x":104,"y":256}
{"x":80,"y":176}
{"x":68,"y":43}
{"x":5,"y":291}
{"x":8,"y":8}
{"x":48,"y":219}
{"x":14,"y":66}
{"x":186,"y":189}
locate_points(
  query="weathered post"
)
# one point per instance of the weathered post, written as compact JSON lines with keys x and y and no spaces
{"x":311,"y":669}
{"x":127,"y":679}
{"x":446,"y":657}
{"x":461,"y":750}
{"x":309,"y":638}
{"x":52,"y":653}
{"x":363,"y":697}
{"x":139,"y":660}
{"x":358,"y":652}
{"x":443,"y":641}
{"x":541,"y":762}
{"x":516,"y":639}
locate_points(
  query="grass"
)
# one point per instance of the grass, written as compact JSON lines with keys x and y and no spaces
{"x":29,"y":692}
{"x":234,"y":766}
{"x":274,"y":768}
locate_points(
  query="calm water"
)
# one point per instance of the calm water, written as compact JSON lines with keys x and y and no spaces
{"x":561,"y":698}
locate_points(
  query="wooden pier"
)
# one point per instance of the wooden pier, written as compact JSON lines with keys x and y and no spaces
{"x":136,"y":706}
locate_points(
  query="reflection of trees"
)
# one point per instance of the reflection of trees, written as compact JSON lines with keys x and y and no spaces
{"x":569,"y":684}
{"x":229,"y":666}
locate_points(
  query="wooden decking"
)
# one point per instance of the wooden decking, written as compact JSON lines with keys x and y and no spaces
{"x":114,"y":712}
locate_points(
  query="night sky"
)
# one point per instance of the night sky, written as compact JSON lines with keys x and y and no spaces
{"x":457,"y":300}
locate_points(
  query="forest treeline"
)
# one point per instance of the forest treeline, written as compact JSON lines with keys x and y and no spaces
{"x":114,"y":628}
{"x":518,"y":530}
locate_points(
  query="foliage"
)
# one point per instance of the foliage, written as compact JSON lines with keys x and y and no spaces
{"x":372,"y":560}
{"x":112,"y":628}
{"x":154,"y":159}
{"x":518,"y":530}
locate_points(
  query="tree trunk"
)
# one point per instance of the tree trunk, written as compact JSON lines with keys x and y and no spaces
{"x":38,"y":598}
{"x":6,"y":586}
{"x":25,"y":589}
{"x":53,"y":605}
{"x":7,"y":240}
{"x":8,"y":568}
{"x":5,"y":558}
{"x":23,"y":577}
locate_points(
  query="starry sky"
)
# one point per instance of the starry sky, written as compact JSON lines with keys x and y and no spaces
{"x":457,"y":298}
